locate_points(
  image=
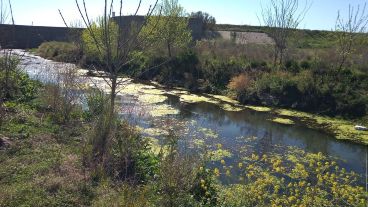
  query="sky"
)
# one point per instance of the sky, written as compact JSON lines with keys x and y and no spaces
{"x":321,"y":15}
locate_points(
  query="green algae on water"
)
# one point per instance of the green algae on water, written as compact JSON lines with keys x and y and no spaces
{"x":283,"y":121}
{"x":192,"y":98}
{"x":224,"y":99}
{"x":228,"y":107}
{"x":219,"y":154}
{"x":163,"y":110}
{"x":152,"y":99}
{"x":259,"y":108}
{"x":341,"y":129}
{"x":208,"y":133}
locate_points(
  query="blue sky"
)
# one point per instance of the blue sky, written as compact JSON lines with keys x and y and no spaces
{"x":322,"y":14}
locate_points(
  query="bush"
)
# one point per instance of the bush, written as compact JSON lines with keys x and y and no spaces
{"x":62,"y":96}
{"x":219,"y":72}
{"x":60,"y":51}
{"x":129,"y":157}
{"x":292,"y":66}
{"x":240,"y":83}
{"x":326,"y":92}
{"x":305,"y":64}
{"x":14,"y":84}
{"x":96,"y":100}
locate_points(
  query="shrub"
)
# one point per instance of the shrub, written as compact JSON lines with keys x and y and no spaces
{"x":292,"y":66}
{"x":95,"y":100}
{"x":129,"y":156}
{"x":219,"y":72}
{"x":60,"y":51}
{"x":177,"y":176}
{"x":305,"y":64}
{"x":15,"y":85}
{"x":62,"y":95}
{"x":240,"y":83}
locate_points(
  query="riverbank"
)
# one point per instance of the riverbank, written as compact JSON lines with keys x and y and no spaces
{"x":340,"y":128}
{"x":184,"y":152}
{"x":44,"y":164}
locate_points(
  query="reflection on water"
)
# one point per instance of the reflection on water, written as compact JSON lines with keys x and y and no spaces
{"x":213,"y":125}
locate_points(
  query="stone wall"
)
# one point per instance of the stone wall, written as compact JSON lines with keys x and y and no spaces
{"x":23,"y":37}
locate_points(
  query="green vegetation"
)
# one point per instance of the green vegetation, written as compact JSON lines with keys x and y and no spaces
{"x":59,"y":51}
{"x":300,"y":181}
{"x":95,"y":51}
{"x":313,"y":85}
{"x":48,"y":161}
{"x":341,"y":129}
{"x":169,"y":30}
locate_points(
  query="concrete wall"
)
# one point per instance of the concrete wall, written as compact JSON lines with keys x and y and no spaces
{"x":23,"y":37}
{"x":243,"y":37}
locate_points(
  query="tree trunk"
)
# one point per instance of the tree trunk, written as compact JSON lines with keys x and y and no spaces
{"x":281,"y":56}
{"x":275,"y":56}
{"x":169,"y":49}
{"x":113,"y":96}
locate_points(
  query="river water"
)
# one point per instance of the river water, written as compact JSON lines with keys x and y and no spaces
{"x":204,"y":121}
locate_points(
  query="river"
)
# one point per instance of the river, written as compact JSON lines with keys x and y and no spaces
{"x":210,"y":121}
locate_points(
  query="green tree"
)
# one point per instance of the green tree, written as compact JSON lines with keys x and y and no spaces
{"x":209,"y":22}
{"x":93,"y":39}
{"x":169,"y":27}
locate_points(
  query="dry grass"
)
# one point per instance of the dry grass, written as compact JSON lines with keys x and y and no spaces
{"x":240,"y":83}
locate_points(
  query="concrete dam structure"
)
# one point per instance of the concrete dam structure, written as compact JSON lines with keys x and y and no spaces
{"x":25,"y":37}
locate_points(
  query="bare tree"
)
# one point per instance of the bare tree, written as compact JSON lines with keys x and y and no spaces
{"x":348,"y":31}
{"x":280,"y":18}
{"x":6,"y":12}
{"x":114,"y":46}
